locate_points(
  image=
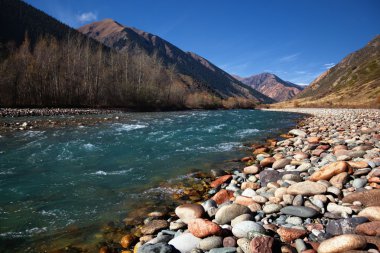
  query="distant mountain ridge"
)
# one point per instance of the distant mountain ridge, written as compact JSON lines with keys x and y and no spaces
{"x":271,"y":86}
{"x":356,"y":77}
{"x":198,"y":72}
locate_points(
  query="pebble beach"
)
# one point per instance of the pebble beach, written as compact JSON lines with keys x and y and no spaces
{"x":317,"y":189}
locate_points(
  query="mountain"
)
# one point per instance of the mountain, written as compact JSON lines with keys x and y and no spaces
{"x":19,"y":18}
{"x":272,"y":86}
{"x":45,"y":63}
{"x":353,"y":82}
{"x":197,"y":72}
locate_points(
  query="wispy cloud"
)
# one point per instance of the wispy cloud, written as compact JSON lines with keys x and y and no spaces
{"x":87,"y":17}
{"x":289,"y":58}
{"x":328,"y":65}
{"x":304,"y":77}
{"x":237,"y":69}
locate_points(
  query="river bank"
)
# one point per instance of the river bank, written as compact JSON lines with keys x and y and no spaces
{"x":300,"y":194}
{"x":75,"y":184}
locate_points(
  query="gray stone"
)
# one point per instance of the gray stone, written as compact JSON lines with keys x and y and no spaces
{"x":161,"y":238}
{"x":175,"y":225}
{"x":210,"y":242}
{"x":344,"y":226}
{"x":156,"y":248}
{"x":223,"y":250}
{"x":294,"y":221}
{"x":359,"y":182}
{"x":229,"y":212}
{"x":299,"y":211}
{"x":244,"y":245}
{"x":242,"y":229}
{"x":298,"y":132}
{"x":240,"y":218}
{"x":267,"y":176}
{"x":300,"y":245}
{"x":298,"y":200}
{"x":272,"y":208}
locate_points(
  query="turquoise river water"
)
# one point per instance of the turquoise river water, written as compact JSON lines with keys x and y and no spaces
{"x":55,"y":180}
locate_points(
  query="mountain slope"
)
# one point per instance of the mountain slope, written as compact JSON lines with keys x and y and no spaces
{"x":19,"y":18}
{"x":271,"y":86}
{"x":199,"y":72}
{"x":45,"y":63}
{"x":355,"y":81}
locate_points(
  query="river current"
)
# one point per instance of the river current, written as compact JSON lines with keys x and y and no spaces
{"x":80,"y":177}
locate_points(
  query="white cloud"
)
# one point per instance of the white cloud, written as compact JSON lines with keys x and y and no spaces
{"x":289,"y":58}
{"x":328,"y":65}
{"x":87,"y":17}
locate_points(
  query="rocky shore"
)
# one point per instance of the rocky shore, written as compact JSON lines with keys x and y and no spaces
{"x":12,"y":119}
{"x":317,"y":190}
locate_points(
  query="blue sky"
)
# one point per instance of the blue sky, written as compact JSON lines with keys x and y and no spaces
{"x":295,"y":39}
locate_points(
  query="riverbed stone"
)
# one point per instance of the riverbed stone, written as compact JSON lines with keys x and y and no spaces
{"x":253,"y":169}
{"x":261,"y":244}
{"x":290,"y":234}
{"x":185,"y":242}
{"x":222,"y":196}
{"x":342,"y":243}
{"x":267,"y":176}
{"x":202,"y":228}
{"x":359,"y":182}
{"x":299,"y":211}
{"x":339,"y":180}
{"x":187,"y":212}
{"x":127,"y":240}
{"x":369,"y":228}
{"x":298,"y":132}
{"x":243,"y":244}
{"x":338,"y":209}
{"x":240,"y":218}
{"x":294,"y":221}
{"x":306,"y":188}
{"x":367,"y":198}
{"x":157,"y":248}
{"x":223,"y":250}
{"x":372,"y":213}
{"x":344,"y":226}
{"x":154,"y":226}
{"x":271,"y":208}
{"x":220,"y":180}
{"x":229,"y":241}
{"x":242,"y":229}
{"x":281,"y":163}
{"x":229,"y":212}
{"x":267,"y":162}
{"x":211,"y":242}
{"x":330,"y":170}
{"x":245,"y":201}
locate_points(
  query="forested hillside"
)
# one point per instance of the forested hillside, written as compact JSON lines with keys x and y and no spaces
{"x":45,"y":63}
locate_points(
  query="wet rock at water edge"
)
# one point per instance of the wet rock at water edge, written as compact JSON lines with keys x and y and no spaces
{"x":203,"y":228}
{"x":157,"y":248}
{"x":154,"y":226}
{"x":187,"y":212}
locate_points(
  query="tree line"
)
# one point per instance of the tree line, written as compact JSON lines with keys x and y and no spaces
{"x":74,"y":72}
